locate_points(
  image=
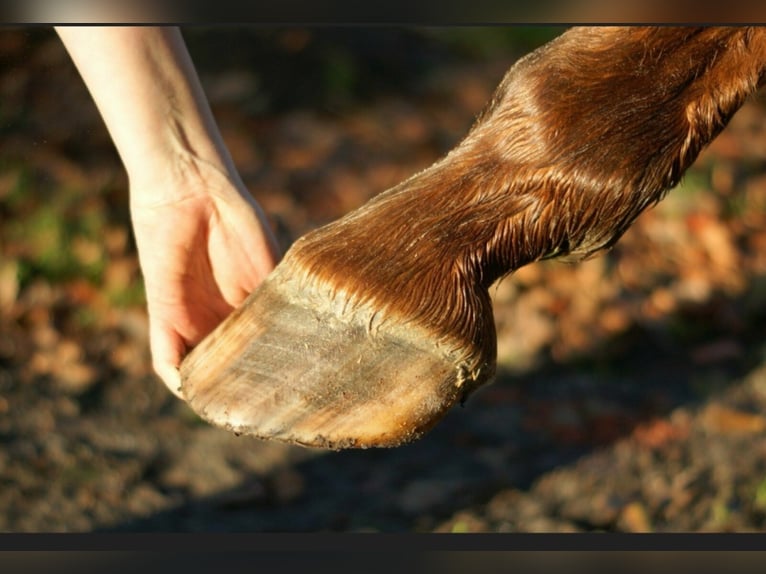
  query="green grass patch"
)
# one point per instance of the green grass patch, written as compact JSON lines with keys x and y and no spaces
{"x":55,"y":238}
{"x":492,"y":41}
{"x":132,"y":295}
{"x":759,"y":499}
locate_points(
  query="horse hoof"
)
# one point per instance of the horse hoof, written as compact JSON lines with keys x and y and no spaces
{"x":298,"y":363}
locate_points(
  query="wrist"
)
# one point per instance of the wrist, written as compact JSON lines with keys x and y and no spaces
{"x":180,"y":173}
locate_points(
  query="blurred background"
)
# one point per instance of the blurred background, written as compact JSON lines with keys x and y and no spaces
{"x":631,"y":393}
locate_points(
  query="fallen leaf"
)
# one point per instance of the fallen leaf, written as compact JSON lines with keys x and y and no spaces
{"x":634,"y":518}
{"x":9,"y":284}
{"x":725,"y":420}
{"x":655,"y":434}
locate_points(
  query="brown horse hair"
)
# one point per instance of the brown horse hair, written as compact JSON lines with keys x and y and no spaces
{"x":579,"y":138}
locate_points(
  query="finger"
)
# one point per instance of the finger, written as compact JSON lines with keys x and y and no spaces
{"x":236,"y":297}
{"x":233,"y":285}
{"x":167,"y":351}
{"x":257,"y":251}
{"x":273,"y":252}
{"x":170,"y":376}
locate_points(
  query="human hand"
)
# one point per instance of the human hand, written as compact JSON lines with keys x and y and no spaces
{"x":203,"y":243}
{"x":203,"y":246}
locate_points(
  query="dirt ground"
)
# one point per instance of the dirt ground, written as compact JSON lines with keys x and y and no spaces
{"x":631,"y":393}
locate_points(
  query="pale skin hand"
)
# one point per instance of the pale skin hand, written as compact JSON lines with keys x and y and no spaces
{"x":203,"y":242}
